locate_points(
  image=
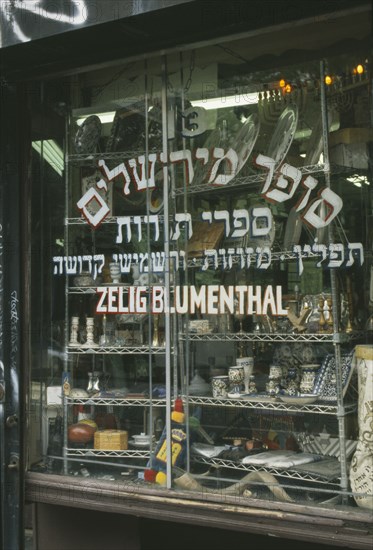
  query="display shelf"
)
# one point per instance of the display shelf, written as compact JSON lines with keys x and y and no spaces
{"x":107,"y":221}
{"x":130,"y":453}
{"x":269,"y":403}
{"x":93,"y":289}
{"x":127,"y":350}
{"x":84,"y":289}
{"x":242,"y":181}
{"x":83,"y":221}
{"x":112,"y":401}
{"x":288,"y":473}
{"x":261,"y":337}
{"x":93,"y":158}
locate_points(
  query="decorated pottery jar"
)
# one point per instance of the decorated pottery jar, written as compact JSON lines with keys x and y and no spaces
{"x":236,"y":375}
{"x":220,"y":386}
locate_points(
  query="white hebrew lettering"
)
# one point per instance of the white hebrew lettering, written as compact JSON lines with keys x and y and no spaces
{"x":184,"y":156}
{"x":144,"y":257}
{"x":222,"y":253}
{"x":230,"y":158}
{"x":125,"y":262}
{"x":263,"y":258}
{"x":260,"y":221}
{"x":355,"y":249}
{"x":223,"y":215}
{"x":202,"y":153}
{"x":179,"y":219}
{"x":118,"y":171}
{"x":137,"y":221}
{"x":309,"y":183}
{"x":88,"y":259}
{"x":207,"y":216}
{"x":153,"y":219}
{"x":100,"y":259}
{"x":336,"y":255}
{"x":240,"y":253}
{"x":142,"y":182}
{"x":289,"y":178}
{"x":333,"y":205}
{"x":121,"y":221}
{"x":240,"y":222}
{"x":249,"y":251}
{"x":231,"y":252}
{"x":71,"y":263}
{"x":269,"y":163}
{"x":175,"y":256}
{"x":58,"y":260}
{"x":158,"y":260}
{"x":320,"y":248}
{"x":103,"y":211}
{"x":297,"y":249}
{"x":210,"y":253}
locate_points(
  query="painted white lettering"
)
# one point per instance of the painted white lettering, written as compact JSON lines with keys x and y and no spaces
{"x":100,"y":306}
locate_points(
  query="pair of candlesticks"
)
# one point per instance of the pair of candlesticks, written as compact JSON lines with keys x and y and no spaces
{"x":89,"y":343}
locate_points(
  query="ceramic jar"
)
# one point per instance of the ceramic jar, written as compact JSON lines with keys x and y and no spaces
{"x":307,"y":382}
{"x":272,"y":386}
{"x":248,"y":366}
{"x":361,"y":471}
{"x":275,"y":372}
{"x":236,"y":375}
{"x":220,"y":386}
{"x":115,"y":275}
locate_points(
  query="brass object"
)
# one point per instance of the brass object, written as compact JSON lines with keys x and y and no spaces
{"x":299,"y":322}
{"x":329,"y":320}
{"x":322,"y":321}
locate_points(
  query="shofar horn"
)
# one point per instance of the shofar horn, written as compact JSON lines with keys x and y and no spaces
{"x":189,"y":483}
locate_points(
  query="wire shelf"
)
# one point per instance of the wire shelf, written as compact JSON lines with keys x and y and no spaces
{"x":130,"y":453}
{"x":93,"y":158}
{"x":241,"y":181}
{"x":269,"y":403}
{"x":254,"y":337}
{"x":121,"y":350}
{"x":289,"y":474}
{"x":120,"y":401}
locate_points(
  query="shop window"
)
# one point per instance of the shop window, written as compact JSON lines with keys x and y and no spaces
{"x":201,"y":277}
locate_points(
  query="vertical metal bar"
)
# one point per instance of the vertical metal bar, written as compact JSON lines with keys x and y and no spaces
{"x":167,"y":269}
{"x":67,"y":322}
{"x":185,"y":370}
{"x":150,"y":355}
{"x":335,"y":295}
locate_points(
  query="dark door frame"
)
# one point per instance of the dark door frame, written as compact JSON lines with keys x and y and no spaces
{"x":13,"y":316}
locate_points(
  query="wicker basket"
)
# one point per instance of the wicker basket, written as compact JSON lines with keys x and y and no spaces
{"x":111,"y":440}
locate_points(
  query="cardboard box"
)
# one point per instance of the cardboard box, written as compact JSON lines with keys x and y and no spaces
{"x":111,"y":440}
{"x":353,"y":155}
{"x":348,"y":136}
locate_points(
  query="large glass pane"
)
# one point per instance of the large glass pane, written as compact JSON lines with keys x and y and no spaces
{"x":98,"y":376}
{"x":272,"y":285}
{"x":201,"y":273}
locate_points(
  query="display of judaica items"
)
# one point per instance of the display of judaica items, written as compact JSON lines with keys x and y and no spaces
{"x":222,"y":283}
